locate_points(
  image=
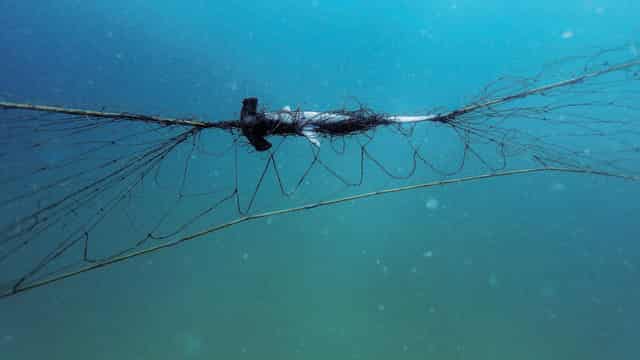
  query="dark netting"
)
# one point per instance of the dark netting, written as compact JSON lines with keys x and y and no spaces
{"x":85,"y":189}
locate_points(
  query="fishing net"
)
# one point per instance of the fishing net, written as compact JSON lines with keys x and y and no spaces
{"x":84,"y":189}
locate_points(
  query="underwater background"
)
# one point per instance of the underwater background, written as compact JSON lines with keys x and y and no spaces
{"x":537,"y":267}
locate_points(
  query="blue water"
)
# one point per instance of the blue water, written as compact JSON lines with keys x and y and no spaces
{"x":537,"y":267}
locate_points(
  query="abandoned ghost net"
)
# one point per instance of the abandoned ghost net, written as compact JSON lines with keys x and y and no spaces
{"x":84,"y":189}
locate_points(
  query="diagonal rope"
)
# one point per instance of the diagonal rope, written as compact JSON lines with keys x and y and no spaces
{"x":13,"y":290}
